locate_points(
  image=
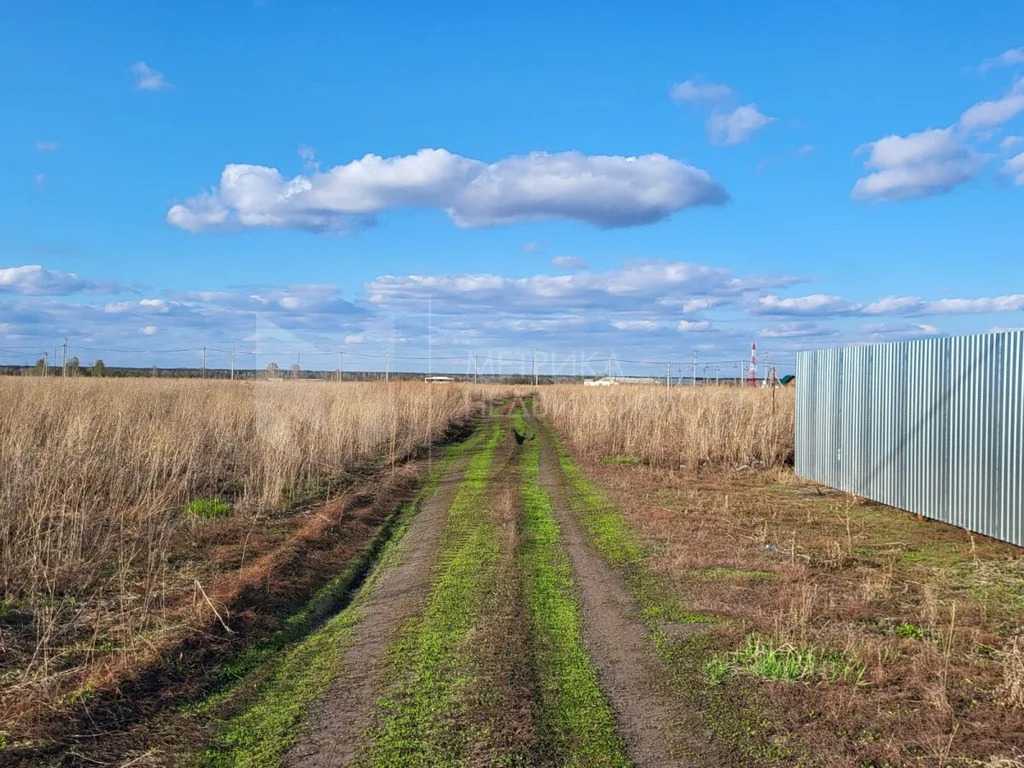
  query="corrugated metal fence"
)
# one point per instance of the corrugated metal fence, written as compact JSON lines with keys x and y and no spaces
{"x":934,"y":426}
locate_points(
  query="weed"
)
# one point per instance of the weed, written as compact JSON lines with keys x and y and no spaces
{"x":731,"y":574}
{"x":1012,"y":659}
{"x":906,"y":629}
{"x":207,"y":509}
{"x":631,"y":460}
{"x":764,"y":658}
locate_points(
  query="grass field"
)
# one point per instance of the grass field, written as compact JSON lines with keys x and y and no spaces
{"x":122,"y":502}
{"x":265,"y":574}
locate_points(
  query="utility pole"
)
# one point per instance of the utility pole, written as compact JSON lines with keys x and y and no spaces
{"x":64,"y":361}
{"x":668,"y":374}
{"x":476,"y":369}
{"x":693,"y":374}
{"x":204,"y":362}
{"x":46,"y":363}
{"x":232,"y":361}
{"x":387,"y":366}
{"x":341,"y":365}
{"x":535,"y":367}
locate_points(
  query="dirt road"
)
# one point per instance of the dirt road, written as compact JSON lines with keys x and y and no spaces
{"x":489,"y":633}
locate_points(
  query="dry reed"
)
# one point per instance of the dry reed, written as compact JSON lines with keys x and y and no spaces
{"x":672,"y":427}
{"x":95,"y":474}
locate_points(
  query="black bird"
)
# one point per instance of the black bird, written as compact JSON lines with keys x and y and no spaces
{"x":520,"y":439}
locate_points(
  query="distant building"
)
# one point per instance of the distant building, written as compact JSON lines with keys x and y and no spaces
{"x":611,"y":381}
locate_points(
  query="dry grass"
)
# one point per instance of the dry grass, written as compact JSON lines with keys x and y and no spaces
{"x":675,"y":427}
{"x":95,"y":476}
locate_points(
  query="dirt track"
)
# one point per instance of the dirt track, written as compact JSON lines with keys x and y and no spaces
{"x":490,"y":715}
{"x":335,"y":729}
{"x":657,"y":728}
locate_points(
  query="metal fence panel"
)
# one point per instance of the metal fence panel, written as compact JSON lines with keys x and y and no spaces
{"x":934,"y":426}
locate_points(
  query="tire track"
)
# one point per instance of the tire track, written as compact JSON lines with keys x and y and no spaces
{"x":335,"y":729}
{"x":657,"y":728}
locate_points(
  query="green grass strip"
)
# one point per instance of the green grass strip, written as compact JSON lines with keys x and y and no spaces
{"x":420,"y":715}
{"x":576,"y":719}
{"x":261,"y":735}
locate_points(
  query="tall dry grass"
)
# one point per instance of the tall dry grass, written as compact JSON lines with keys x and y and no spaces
{"x":94,"y":476}
{"x":673,"y":427}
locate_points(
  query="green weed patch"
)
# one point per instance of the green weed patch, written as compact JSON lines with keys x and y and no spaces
{"x":207,"y":509}
{"x":765,"y":658}
{"x":576,"y":720}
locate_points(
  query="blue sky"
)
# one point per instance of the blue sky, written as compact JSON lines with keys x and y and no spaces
{"x":302,"y":178}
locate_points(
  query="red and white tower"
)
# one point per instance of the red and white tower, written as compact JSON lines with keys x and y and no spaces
{"x":752,"y":374}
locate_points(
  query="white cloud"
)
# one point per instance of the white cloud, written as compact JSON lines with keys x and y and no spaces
{"x":291,"y":299}
{"x":40,"y":180}
{"x":729,"y":128}
{"x":36,"y":280}
{"x":636,"y":325}
{"x":1014,"y":167}
{"x":893,"y":305}
{"x":201,"y":213}
{"x":694,"y":90}
{"x":815,"y":304}
{"x":898,"y":331}
{"x":921,"y":164}
{"x":1009,"y":303}
{"x":47,"y":146}
{"x":820,"y":305}
{"x":635,"y":286}
{"x":308,"y":155}
{"x":147,"y":78}
{"x":569,"y":262}
{"x":989,"y":114}
{"x":1008,"y":58}
{"x":148,"y":330}
{"x":796,"y":330}
{"x":143,"y":306}
{"x":606,"y":191}
{"x":693,"y":326}
{"x":699,"y":304}
{"x":1009,"y":143}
